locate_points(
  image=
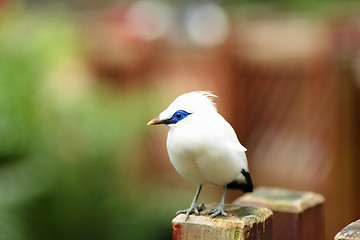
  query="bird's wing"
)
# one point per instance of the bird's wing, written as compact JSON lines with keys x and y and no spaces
{"x":236,"y":146}
{"x":227,"y":135}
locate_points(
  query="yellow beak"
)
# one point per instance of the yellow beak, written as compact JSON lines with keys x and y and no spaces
{"x":155,"y":121}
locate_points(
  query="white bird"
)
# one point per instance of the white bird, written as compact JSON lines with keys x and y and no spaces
{"x":203,"y":147}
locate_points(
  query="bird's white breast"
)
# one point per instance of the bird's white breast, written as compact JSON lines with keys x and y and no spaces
{"x":205,"y":149}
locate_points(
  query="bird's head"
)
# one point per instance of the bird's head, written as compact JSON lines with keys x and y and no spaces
{"x":199,"y":102}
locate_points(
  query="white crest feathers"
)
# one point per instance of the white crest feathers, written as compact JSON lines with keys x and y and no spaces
{"x":207,"y":94}
{"x":197,"y":101}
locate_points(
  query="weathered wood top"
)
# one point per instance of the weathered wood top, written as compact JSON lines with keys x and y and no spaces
{"x":350,"y":232}
{"x":280,"y":200}
{"x":241,"y":223}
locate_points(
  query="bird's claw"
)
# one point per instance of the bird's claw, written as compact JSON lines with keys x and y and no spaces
{"x":200,"y":207}
{"x":193,"y":209}
{"x":217,"y":211}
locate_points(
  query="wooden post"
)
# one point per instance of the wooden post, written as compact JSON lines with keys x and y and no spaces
{"x":242,"y":223}
{"x":350,"y":232}
{"x":297,"y":215}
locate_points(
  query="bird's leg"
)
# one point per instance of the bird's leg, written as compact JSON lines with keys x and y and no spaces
{"x":220,"y":208}
{"x":194,"y":207}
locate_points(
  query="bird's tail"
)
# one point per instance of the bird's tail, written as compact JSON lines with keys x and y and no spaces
{"x":246,"y":186}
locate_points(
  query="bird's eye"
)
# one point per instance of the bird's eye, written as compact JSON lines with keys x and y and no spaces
{"x":178,"y":116}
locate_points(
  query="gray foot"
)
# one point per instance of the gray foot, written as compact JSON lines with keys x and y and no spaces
{"x":217,"y":211}
{"x":193,"y":209}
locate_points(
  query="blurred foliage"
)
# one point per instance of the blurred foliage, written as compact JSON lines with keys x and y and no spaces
{"x":64,"y":164}
{"x":254,"y":6}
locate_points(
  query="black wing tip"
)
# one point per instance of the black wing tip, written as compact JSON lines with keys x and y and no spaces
{"x":246,"y":187}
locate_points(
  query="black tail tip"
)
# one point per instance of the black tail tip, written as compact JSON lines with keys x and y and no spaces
{"x":246,"y":187}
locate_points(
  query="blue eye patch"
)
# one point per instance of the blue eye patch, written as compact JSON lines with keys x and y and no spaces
{"x":176,"y":117}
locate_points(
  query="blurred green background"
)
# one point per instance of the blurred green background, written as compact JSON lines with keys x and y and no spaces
{"x":79,"y":80}
{"x":65,"y":153}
